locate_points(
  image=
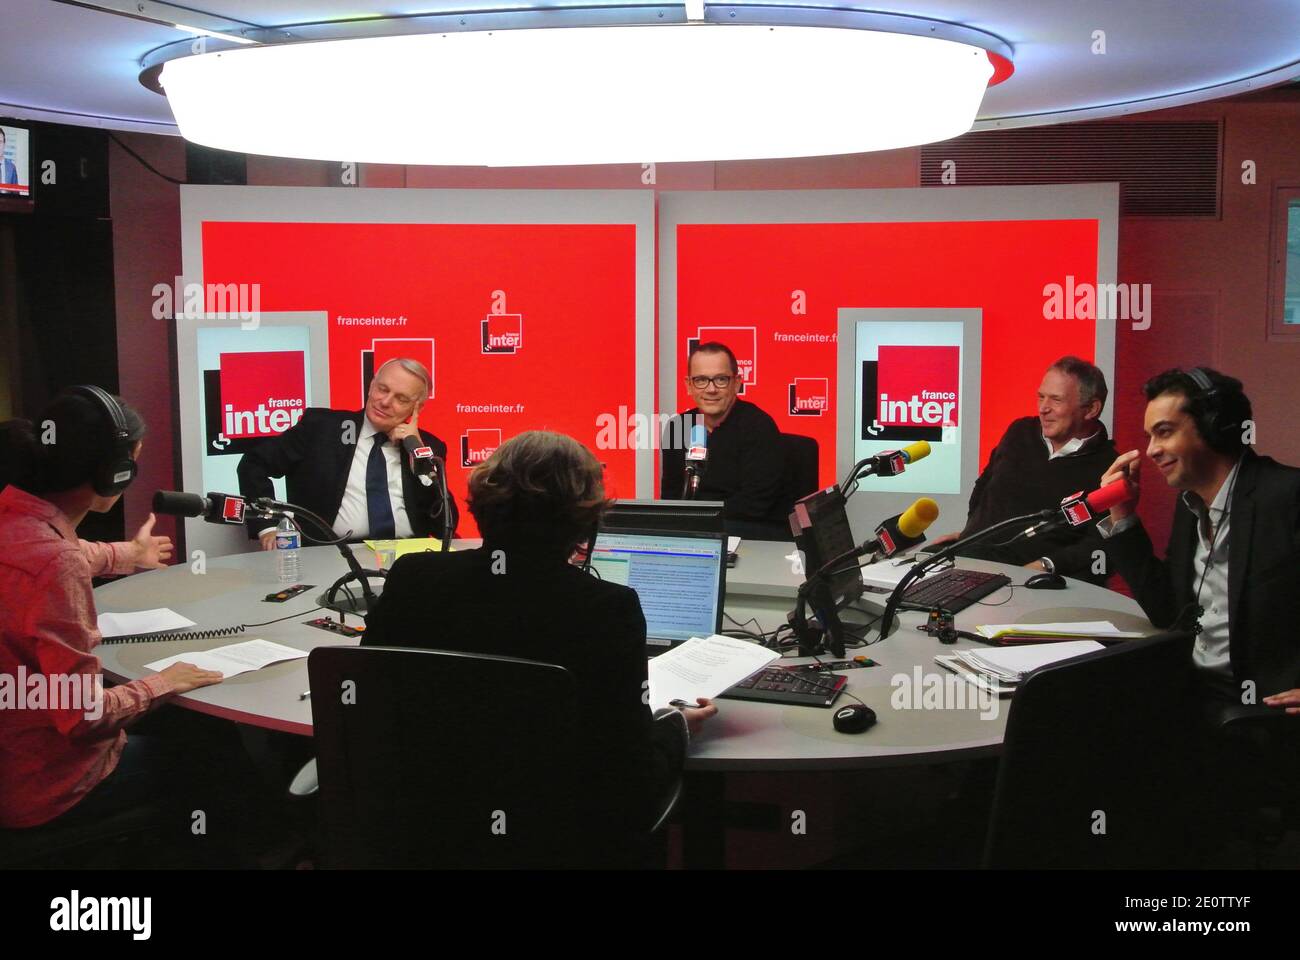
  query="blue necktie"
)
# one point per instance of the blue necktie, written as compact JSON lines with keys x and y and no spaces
{"x":378,"y":506}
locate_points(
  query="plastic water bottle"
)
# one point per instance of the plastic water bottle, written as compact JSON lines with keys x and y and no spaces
{"x":286,"y":549}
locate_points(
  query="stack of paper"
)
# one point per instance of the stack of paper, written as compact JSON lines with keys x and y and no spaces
{"x":1015,"y":633}
{"x":1008,"y":666}
{"x":887,"y":573}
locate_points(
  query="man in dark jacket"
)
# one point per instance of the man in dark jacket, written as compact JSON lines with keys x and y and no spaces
{"x":1232,"y":568}
{"x":745,"y":468}
{"x":1231,"y":574}
{"x":1039,"y":461}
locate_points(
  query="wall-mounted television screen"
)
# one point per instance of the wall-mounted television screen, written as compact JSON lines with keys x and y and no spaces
{"x":15,"y":167}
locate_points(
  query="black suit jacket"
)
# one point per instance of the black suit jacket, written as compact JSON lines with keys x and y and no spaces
{"x":544,"y":608}
{"x":315,"y":462}
{"x":1263,"y":573}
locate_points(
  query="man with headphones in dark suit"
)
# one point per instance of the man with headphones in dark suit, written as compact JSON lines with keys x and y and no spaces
{"x":350,"y":468}
{"x":1231,"y":572}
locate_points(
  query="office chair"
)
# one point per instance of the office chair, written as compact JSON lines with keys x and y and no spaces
{"x":1093,"y":761}
{"x":435,"y":758}
{"x":801,"y":465}
{"x":1260,"y":748}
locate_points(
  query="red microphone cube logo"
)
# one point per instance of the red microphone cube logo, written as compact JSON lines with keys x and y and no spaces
{"x":810,"y":396}
{"x":742,"y":341}
{"x":424,"y":453}
{"x":232,"y":510}
{"x":502,"y":332}
{"x":476,"y":445}
{"x":1076,"y":509}
{"x":886,"y":541}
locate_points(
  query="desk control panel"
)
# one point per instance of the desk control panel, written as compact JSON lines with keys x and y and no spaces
{"x":287,"y":593}
{"x":830,"y":666}
{"x":333,"y":626}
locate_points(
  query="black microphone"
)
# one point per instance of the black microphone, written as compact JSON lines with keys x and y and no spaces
{"x":888,"y":463}
{"x":214,"y":508}
{"x":697,"y":454}
{"x":421,"y":459}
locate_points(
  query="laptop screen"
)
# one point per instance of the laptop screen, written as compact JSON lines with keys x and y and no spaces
{"x":678,"y":576}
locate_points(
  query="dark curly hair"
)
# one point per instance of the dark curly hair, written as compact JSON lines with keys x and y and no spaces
{"x":541,"y":489}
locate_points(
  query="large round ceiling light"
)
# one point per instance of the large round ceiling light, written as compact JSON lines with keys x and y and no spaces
{"x":578,"y":95}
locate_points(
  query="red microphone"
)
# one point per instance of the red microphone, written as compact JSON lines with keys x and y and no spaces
{"x":1079,"y":508}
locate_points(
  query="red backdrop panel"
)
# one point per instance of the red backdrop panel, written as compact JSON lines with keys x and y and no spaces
{"x":787,"y":282}
{"x":558,"y":301}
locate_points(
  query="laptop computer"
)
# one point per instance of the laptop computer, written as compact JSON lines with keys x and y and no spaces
{"x":679,"y":575}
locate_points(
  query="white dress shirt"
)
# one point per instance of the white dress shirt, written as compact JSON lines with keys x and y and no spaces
{"x":353,"y":512}
{"x":1073,"y":445}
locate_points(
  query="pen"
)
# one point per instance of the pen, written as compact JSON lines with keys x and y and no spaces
{"x":305,"y":695}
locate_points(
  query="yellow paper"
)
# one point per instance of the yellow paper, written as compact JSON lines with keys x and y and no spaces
{"x":401,"y":548}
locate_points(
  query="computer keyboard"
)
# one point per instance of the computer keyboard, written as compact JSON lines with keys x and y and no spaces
{"x":779,"y":685}
{"x":953,"y":590}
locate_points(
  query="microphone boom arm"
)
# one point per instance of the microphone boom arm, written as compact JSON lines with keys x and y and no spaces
{"x":896,"y":596}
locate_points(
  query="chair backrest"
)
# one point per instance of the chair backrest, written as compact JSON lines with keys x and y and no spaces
{"x":1095,"y":752}
{"x":434,"y":758}
{"x":801,"y":465}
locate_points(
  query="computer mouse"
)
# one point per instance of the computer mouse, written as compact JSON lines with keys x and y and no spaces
{"x":854,"y":718}
{"x":1046,"y":581}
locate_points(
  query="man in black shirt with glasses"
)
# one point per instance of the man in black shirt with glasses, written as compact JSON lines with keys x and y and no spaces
{"x":745,"y":468}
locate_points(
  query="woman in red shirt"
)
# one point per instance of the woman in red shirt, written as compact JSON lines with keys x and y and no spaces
{"x":64,"y":753}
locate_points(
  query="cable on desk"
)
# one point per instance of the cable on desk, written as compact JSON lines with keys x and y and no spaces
{"x":985,"y":603}
{"x":301,"y":613}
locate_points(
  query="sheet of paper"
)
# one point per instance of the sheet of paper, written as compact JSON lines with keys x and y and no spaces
{"x":733,"y":544}
{"x":1077,"y":628}
{"x":410,"y":545}
{"x":887,"y":573}
{"x":233,"y":659}
{"x":1015,"y":662}
{"x":704,"y":668}
{"x":142,"y":621}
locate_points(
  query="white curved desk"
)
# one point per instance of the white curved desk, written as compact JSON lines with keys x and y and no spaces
{"x":744,"y":735}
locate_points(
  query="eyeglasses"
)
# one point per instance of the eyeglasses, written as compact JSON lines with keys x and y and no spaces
{"x":701,"y":383}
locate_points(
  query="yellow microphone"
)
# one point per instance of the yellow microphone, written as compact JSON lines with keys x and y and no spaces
{"x":914,"y":452}
{"x":908,"y":528}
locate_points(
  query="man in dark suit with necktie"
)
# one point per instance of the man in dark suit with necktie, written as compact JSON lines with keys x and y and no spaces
{"x":349,"y":467}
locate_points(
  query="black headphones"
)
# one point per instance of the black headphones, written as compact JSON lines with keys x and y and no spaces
{"x":114,"y":474}
{"x":1212,"y":420}
{"x":1207,"y":399}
